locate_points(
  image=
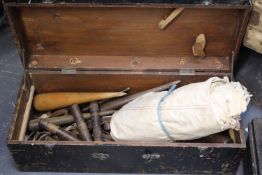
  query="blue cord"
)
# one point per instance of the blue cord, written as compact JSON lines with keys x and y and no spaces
{"x":159,"y":117}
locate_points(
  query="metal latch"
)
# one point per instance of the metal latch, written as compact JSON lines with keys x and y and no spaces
{"x":68,"y":71}
{"x":187,"y":72}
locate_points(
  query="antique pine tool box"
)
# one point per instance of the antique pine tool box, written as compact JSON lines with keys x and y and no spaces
{"x":96,"y":46}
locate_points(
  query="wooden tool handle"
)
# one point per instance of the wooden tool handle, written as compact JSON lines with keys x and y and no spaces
{"x":55,"y":100}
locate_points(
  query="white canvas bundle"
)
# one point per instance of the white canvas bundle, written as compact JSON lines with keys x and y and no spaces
{"x":190,"y":112}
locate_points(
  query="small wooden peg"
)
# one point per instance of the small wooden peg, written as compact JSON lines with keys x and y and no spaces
{"x":26,"y":114}
{"x":199,"y":46}
{"x":164,"y":22}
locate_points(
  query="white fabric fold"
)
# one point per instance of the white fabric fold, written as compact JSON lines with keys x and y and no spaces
{"x":190,"y":112}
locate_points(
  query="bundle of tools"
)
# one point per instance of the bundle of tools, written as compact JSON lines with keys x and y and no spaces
{"x":194,"y":111}
{"x":60,"y":117}
{"x":190,"y":112}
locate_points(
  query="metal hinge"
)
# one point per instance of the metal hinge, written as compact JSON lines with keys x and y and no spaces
{"x":187,"y":72}
{"x":68,"y":71}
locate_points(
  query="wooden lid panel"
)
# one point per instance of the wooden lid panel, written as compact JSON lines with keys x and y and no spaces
{"x":123,"y":37}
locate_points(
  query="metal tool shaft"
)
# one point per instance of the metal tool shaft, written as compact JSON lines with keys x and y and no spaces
{"x":54,"y":129}
{"x":117,"y":103}
{"x":64,"y":120}
{"x":80,"y":122}
{"x":96,"y":121}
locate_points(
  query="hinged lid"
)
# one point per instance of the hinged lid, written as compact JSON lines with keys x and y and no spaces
{"x":127,"y":37}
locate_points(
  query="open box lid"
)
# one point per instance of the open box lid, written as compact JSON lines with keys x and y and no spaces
{"x":85,"y":36}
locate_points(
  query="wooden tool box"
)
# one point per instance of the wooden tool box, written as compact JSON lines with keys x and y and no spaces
{"x":109,"y":46}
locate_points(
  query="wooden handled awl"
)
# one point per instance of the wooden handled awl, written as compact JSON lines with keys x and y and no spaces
{"x":55,"y":100}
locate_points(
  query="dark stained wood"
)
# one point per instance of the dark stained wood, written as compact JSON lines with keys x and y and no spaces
{"x":241,"y":31}
{"x":188,"y":4}
{"x":18,"y":111}
{"x":124,"y":158}
{"x":114,"y":46}
{"x":104,"y":81}
{"x":135,"y":63}
{"x":122,"y":31}
{"x":17,"y":32}
{"x":255,"y":145}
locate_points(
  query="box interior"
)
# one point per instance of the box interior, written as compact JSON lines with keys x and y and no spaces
{"x":53,"y":82}
{"x":112,"y":47}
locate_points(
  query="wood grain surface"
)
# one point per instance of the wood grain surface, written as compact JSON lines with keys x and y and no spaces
{"x":59,"y":33}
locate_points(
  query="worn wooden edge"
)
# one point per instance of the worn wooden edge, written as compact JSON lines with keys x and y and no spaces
{"x":134,"y":5}
{"x":58,"y":71}
{"x":127,"y":71}
{"x":19,"y":41}
{"x":118,"y":143}
{"x":16,"y":109}
{"x":241,"y":32}
{"x":252,"y":146}
{"x":219,"y":64}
